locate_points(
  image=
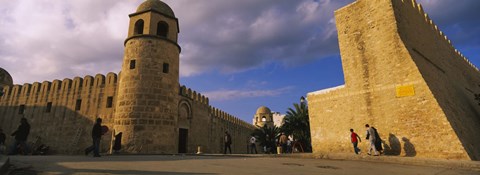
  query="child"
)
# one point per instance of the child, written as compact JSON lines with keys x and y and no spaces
{"x":354,"y":136}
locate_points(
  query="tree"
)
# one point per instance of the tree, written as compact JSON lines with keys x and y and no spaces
{"x":297,"y":124}
{"x":266,"y":136}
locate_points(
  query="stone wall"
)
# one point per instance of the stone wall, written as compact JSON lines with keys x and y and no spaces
{"x":403,"y":77}
{"x":207,"y":125}
{"x":59,"y":127}
{"x":55,"y":117}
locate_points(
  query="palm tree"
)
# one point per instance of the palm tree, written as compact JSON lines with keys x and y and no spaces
{"x":297,"y":124}
{"x":266,"y":136}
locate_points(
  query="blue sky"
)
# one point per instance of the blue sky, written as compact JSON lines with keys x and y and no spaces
{"x":241,"y":54}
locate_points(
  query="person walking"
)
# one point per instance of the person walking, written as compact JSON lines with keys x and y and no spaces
{"x":253,"y":146}
{"x":378,"y":141}
{"x":96,"y":136}
{"x":227,"y":139}
{"x":372,"y":139}
{"x":355,"y":139}
{"x":21,"y":135}
{"x":283,"y":142}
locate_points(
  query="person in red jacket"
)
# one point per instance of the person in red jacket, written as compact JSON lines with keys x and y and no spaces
{"x":355,"y":139}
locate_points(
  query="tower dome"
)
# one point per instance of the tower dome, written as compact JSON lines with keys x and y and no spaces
{"x":5,"y":78}
{"x":263,"y":110}
{"x":156,"y":5}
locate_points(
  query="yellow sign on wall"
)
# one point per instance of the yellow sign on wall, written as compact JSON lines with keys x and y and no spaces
{"x":405,"y":91}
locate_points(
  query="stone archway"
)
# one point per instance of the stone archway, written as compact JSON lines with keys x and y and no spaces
{"x":184,"y":120}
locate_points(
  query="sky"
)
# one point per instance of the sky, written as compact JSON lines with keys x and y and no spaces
{"x":241,"y":54}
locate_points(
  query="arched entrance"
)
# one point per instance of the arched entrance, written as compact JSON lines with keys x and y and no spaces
{"x":184,"y":118}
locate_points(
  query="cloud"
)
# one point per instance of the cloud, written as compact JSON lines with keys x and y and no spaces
{"x":458,"y":19}
{"x":223,"y":95}
{"x":46,"y":39}
{"x":236,"y":36}
{"x":49,"y":39}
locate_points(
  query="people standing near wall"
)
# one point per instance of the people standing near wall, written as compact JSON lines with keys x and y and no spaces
{"x":283,"y":142}
{"x":355,"y":139}
{"x":371,"y":138}
{"x":253,"y":146}
{"x":96,"y":136}
{"x":21,"y":135}
{"x":227,"y":139}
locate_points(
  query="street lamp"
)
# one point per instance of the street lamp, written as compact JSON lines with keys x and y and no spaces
{"x":302,"y":100}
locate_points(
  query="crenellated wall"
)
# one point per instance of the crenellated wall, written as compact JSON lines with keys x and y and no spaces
{"x":402,"y":76}
{"x":51,"y":109}
{"x":58,"y":111}
{"x":207,"y":124}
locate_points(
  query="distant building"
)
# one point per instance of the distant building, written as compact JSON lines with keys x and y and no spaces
{"x":278,"y":119}
{"x":264,"y":116}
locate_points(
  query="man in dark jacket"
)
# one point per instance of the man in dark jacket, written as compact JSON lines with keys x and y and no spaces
{"x":96,"y":136}
{"x":378,"y":141}
{"x":227,"y":140}
{"x":21,"y":135}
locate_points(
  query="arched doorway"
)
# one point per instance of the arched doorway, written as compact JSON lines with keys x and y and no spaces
{"x":184,"y":117}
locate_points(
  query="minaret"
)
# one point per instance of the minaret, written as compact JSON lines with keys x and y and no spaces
{"x":146,"y":108}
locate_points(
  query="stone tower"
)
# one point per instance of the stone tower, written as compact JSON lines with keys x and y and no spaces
{"x":263,"y":116}
{"x":5,"y":78}
{"x":147,"y":100}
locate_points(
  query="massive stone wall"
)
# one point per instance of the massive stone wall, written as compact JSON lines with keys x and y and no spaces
{"x":58,"y":111}
{"x":403,"y":76}
{"x":52,"y":111}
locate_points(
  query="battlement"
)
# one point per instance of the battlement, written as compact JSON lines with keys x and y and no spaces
{"x":229,"y":118}
{"x":197,"y":97}
{"x":66,"y":86}
{"x":418,"y":7}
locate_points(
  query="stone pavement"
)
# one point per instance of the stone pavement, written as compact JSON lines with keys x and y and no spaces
{"x":454,"y":164}
{"x":4,"y":163}
{"x":220,"y":164}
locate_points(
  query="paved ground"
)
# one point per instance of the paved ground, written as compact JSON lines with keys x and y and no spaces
{"x":190,"y":165}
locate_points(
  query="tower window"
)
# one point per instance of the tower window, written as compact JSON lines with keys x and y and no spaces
{"x":49,"y":107}
{"x":165,"y":67}
{"x":132,"y":64}
{"x":78,"y":105}
{"x":21,"y":109}
{"x":138,"y":27}
{"x":162,"y":29}
{"x":109,"y":102}
{"x":264,"y":119}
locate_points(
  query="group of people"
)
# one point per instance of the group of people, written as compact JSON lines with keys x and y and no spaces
{"x":283,"y":141}
{"x":23,"y":130}
{"x":374,"y":140}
